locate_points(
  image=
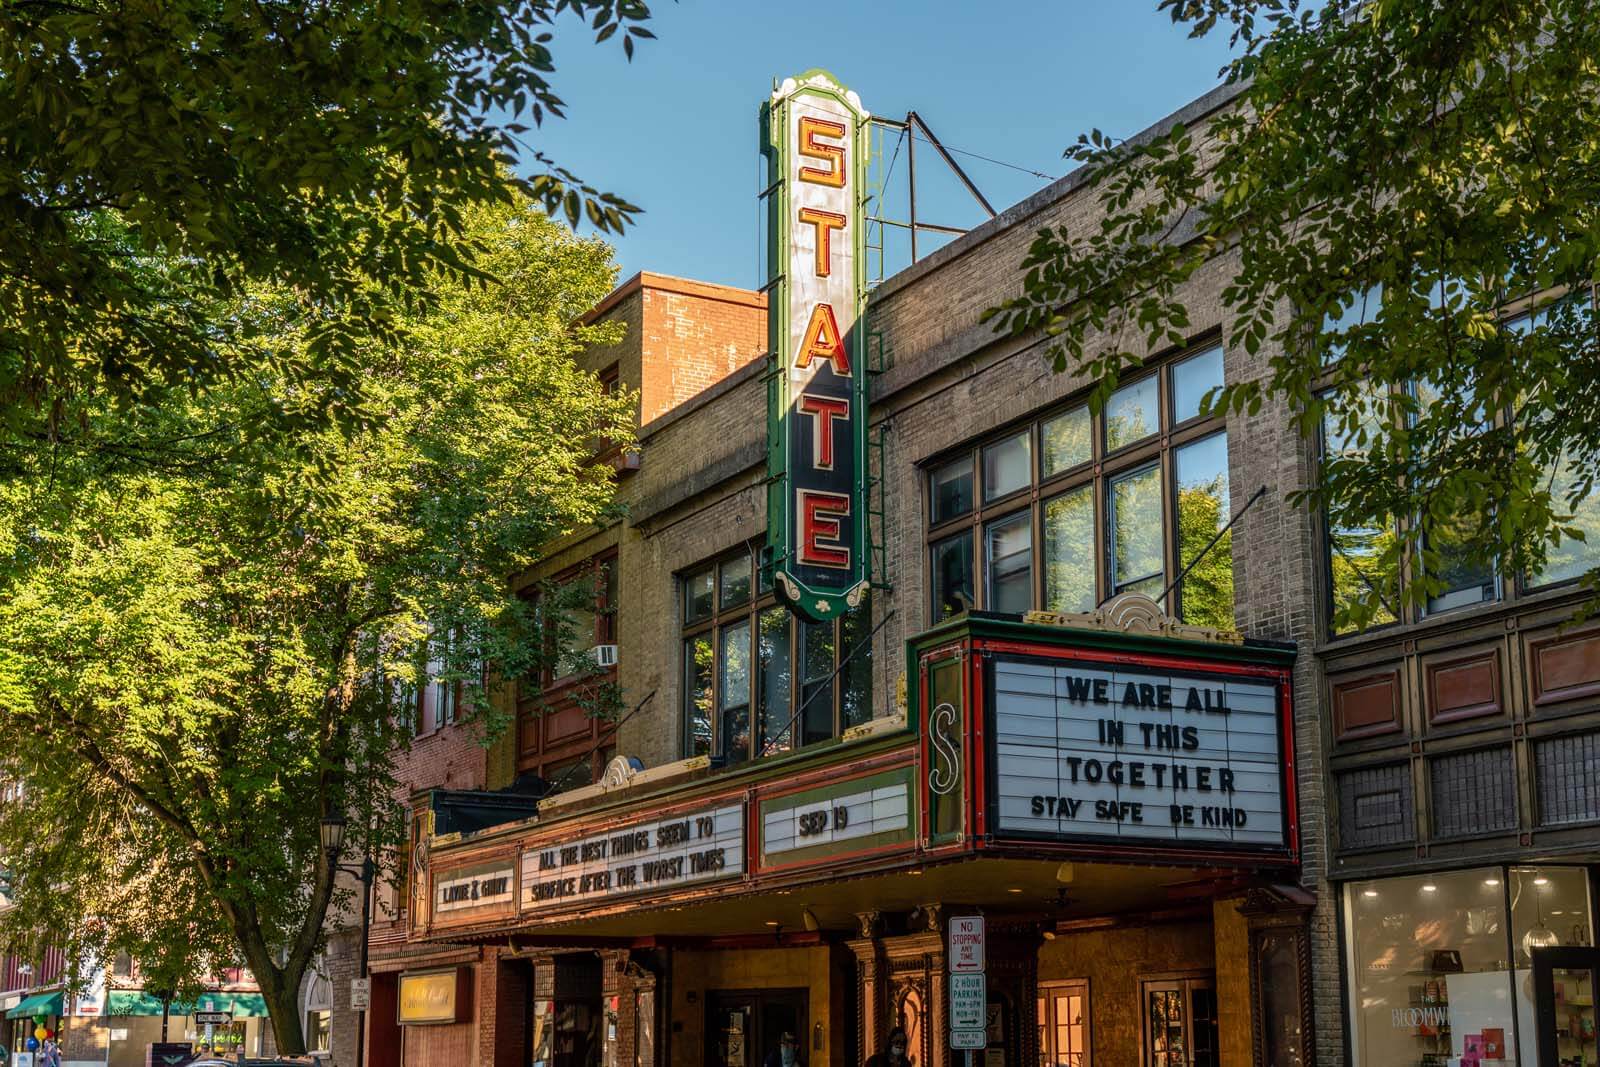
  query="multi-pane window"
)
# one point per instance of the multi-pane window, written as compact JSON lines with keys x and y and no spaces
{"x":1360,"y":555}
{"x":586,"y":599}
{"x":442,"y":683}
{"x":1076,"y":507}
{"x":756,"y":679}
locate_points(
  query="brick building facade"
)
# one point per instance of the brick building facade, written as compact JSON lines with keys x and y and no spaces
{"x":1022,"y":538}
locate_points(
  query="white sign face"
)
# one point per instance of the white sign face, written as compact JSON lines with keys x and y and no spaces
{"x":871,"y":811}
{"x":966,"y":940}
{"x":360,"y":994}
{"x":1086,"y":750}
{"x":654,"y":856}
{"x":474,"y":889}
{"x":969,"y":993}
{"x":967,"y":1038}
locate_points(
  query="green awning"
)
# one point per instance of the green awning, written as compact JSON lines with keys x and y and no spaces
{"x":138,"y":1002}
{"x":134,"y":1002}
{"x":38,"y":1004}
{"x":243,"y":1005}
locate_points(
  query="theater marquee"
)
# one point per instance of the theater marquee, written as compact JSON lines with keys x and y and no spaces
{"x":1086,"y":749}
{"x":1121,"y":732}
{"x":816,"y":399}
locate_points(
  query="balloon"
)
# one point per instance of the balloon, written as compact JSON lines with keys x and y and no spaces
{"x":49,"y":1034}
{"x":40,"y":1032}
{"x":38,"y":1020}
{"x":33,"y":1044}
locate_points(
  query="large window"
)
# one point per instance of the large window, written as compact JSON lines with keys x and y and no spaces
{"x":1360,"y":555}
{"x":1441,"y":964}
{"x":1077,"y":507}
{"x":756,"y":679}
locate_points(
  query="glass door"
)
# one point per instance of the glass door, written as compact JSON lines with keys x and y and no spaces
{"x":1064,"y":1024}
{"x":1564,"y":984}
{"x":1179,"y":1017}
{"x":732,"y":1031}
{"x":745,"y":1028}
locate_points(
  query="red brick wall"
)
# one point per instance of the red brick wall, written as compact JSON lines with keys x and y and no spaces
{"x":694,"y":339}
{"x":682,"y":337}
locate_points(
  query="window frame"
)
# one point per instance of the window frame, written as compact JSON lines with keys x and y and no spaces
{"x":748,"y":613}
{"x":1098,"y":471}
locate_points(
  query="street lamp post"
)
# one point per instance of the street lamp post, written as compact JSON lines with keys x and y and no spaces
{"x":332,"y":832}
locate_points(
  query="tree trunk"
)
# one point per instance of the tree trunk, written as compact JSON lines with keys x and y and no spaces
{"x":280,"y":988}
{"x":282,"y":994}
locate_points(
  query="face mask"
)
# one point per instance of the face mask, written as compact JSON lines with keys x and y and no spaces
{"x":897,"y":1051}
{"x":788,"y":1056}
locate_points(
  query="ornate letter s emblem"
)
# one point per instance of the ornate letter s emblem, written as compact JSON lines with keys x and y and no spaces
{"x":945,"y":772}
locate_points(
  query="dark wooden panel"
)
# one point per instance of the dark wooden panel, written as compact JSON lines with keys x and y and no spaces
{"x":1464,"y":687}
{"x":1366,"y":705}
{"x":1564,"y":666}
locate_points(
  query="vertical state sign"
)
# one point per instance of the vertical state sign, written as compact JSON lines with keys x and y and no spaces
{"x":815,"y":132}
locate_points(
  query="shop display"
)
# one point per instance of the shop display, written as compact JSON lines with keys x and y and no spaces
{"x":1439,"y":967}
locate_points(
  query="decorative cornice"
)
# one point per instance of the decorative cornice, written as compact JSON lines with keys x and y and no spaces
{"x":1134,"y":613}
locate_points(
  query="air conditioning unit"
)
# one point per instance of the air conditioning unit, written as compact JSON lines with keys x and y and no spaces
{"x":604,"y":655}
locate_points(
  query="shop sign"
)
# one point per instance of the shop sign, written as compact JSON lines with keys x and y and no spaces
{"x":815,"y":139}
{"x":1137,"y":754}
{"x":482,"y":887}
{"x":791,"y":824}
{"x":641,"y":857}
{"x":969,"y":997}
{"x":430,"y":997}
{"x":966,"y":940}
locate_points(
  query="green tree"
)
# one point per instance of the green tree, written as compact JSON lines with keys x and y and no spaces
{"x":159,"y":155}
{"x":1392,"y":182}
{"x":207,"y":632}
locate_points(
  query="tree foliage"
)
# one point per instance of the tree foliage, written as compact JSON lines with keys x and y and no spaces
{"x":1395,"y":182}
{"x":157,"y":156}
{"x":211,"y":636}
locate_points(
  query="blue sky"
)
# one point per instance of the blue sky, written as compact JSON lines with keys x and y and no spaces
{"x":675,"y":131}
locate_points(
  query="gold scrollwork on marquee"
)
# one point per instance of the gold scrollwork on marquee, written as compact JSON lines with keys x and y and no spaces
{"x":1134,"y":613}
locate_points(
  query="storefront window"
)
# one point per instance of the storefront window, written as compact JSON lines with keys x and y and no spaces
{"x":1117,"y":497}
{"x":755,"y":682}
{"x":1441,"y":964}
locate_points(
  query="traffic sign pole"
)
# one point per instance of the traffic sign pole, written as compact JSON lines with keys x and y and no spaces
{"x":967,"y":984}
